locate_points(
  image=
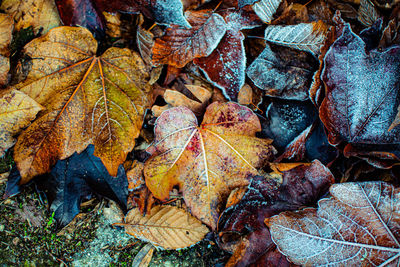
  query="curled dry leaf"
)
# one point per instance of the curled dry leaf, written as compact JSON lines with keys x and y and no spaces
{"x":206,"y":161}
{"x":241,"y":227}
{"x":16,"y":111}
{"x":309,"y":37}
{"x":88,"y":100}
{"x":361,"y":92}
{"x":167,"y":227}
{"x":177,"y":99}
{"x":42,"y":15}
{"x":179,"y":45}
{"x":357,"y":226}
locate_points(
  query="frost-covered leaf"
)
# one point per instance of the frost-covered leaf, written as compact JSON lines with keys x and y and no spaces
{"x":283,"y":74}
{"x":362,"y":92}
{"x":206,"y":161}
{"x":42,"y":15}
{"x":178,"y":46}
{"x":242,"y":227}
{"x":367,"y":14}
{"x":243,"y":3}
{"x":169,"y":12}
{"x":226,"y":66}
{"x":167,"y":227}
{"x":358,"y":225}
{"x":16,"y":112}
{"x":88,"y":100}
{"x":308,"y":37}
{"x":266,"y":9}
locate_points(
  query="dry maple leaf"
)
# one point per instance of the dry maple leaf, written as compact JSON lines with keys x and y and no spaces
{"x":206,"y":161}
{"x":16,"y":111}
{"x":179,"y":45}
{"x":42,"y":15}
{"x":358,"y":226}
{"x":165,"y":226}
{"x":88,"y":100}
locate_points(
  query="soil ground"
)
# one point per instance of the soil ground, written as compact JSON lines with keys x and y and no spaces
{"x":28,"y":236}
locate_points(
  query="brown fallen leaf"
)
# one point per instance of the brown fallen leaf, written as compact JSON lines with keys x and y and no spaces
{"x":357,"y":226}
{"x":16,"y":111}
{"x":179,"y":45}
{"x":143,"y":257}
{"x":167,"y":227}
{"x":6,"y":28}
{"x":206,"y":161}
{"x":42,"y":15}
{"x":177,"y":99}
{"x":88,"y":100}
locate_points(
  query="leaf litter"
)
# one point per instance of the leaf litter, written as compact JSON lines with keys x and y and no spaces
{"x":213,"y":45}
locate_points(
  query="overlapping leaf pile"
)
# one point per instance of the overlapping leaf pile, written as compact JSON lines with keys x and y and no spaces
{"x":140,"y":104}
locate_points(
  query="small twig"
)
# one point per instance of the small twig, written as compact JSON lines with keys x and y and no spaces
{"x":127,"y":246}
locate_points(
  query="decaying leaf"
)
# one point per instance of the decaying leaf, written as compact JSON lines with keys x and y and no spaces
{"x":179,"y":45}
{"x":167,"y":227}
{"x":16,"y":112}
{"x":206,"y":161}
{"x":88,"y":100}
{"x":80,"y":177}
{"x":265,"y":9}
{"x":309,"y":37}
{"x":367,"y":14}
{"x":241,"y":227}
{"x":285,"y":74}
{"x":82,"y":13}
{"x":357,"y":226}
{"x":361,"y":92}
{"x":42,"y":15}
